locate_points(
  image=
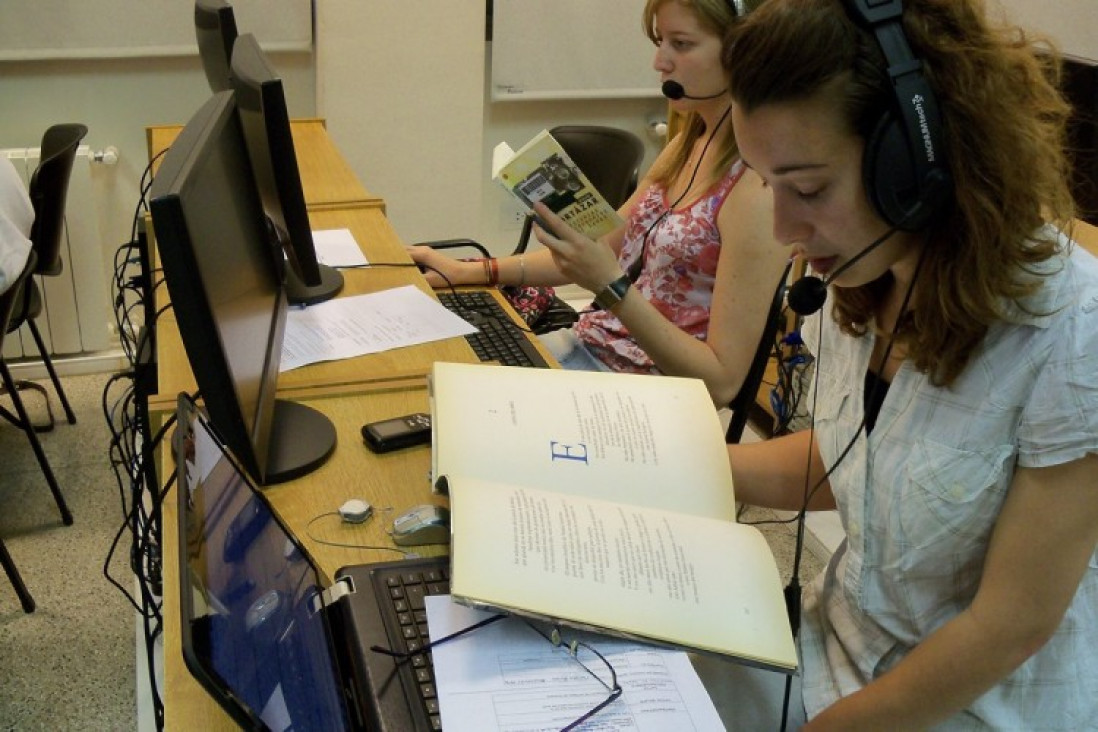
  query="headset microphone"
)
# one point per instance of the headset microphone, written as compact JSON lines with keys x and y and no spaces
{"x":808,"y":294}
{"x":674,"y":90}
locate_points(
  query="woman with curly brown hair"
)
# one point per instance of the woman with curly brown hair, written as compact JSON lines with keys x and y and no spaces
{"x":956,"y":402}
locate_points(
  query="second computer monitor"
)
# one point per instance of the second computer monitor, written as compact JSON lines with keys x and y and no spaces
{"x":266,"y":123}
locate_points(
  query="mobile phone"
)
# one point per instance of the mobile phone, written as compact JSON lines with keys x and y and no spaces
{"x":398,"y":432}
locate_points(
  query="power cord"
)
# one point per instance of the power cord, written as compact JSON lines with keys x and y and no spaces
{"x":346,"y":545}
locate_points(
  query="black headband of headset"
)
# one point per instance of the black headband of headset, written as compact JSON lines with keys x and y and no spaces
{"x":914,"y":99}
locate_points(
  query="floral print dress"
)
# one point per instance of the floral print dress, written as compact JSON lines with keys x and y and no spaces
{"x":680,"y":267}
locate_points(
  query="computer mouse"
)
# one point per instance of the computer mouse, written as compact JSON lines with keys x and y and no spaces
{"x":425,"y":524}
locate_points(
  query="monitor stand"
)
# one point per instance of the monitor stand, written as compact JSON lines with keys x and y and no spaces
{"x":301,"y":440}
{"x":298,"y":293}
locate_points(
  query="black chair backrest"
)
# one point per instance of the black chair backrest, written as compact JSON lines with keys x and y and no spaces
{"x":608,"y":156}
{"x":741,"y":405}
{"x":9,"y":296}
{"x":49,"y":188}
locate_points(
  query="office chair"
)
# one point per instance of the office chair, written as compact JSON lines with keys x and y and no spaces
{"x":611,"y":159}
{"x":745,"y":398}
{"x":8,"y":301}
{"x":48,"y":190}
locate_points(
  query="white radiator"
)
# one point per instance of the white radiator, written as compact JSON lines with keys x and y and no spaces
{"x":77,"y":303}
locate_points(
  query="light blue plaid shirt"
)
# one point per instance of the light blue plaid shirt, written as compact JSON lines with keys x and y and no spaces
{"x":920,"y":496}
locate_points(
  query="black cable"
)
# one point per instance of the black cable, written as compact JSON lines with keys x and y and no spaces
{"x":450,"y":285}
{"x":635,"y":267}
{"x":371,"y":265}
{"x":793,"y":589}
{"x":141,"y":540}
{"x":131,"y":448}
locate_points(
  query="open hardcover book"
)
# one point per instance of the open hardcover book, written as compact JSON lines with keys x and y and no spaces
{"x":542,"y":171}
{"x":603,"y":501}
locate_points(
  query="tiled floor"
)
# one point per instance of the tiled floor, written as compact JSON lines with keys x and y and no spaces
{"x":71,"y":664}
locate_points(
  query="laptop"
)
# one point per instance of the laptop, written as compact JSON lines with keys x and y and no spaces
{"x":274,"y":646}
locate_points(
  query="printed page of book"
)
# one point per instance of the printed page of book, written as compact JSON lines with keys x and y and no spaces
{"x":688,"y":581}
{"x":542,"y":171}
{"x":638,"y":439}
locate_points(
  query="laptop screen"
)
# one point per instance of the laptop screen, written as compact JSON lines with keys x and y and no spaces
{"x":249,"y":596}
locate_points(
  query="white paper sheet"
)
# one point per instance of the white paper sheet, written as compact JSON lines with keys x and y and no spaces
{"x":505,"y":676}
{"x":338,"y":248}
{"x":352,"y":326}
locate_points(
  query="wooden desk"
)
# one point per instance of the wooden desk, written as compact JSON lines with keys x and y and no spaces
{"x":325,"y":176}
{"x":1086,"y":235}
{"x":376,"y":237}
{"x":391,"y":482}
{"x":350,"y":392}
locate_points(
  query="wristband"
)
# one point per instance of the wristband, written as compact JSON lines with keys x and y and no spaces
{"x":614,"y":293}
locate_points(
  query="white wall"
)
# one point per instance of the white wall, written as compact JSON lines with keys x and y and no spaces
{"x":400,"y":84}
{"x":1073,"y":24}
{"x":404,"y":86}
{"x":117,"y":99}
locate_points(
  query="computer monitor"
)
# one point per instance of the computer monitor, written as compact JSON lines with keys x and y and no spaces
{"x":224,"y":277}
{"x":215,"y":29}
{"x":266,"y":122}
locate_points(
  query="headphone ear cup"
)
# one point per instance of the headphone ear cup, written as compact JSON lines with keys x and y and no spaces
{"x":888,"y":173}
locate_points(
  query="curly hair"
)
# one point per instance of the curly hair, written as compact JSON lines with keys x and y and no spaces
{"x":717,"y":17}
{"x":1004,"y":123}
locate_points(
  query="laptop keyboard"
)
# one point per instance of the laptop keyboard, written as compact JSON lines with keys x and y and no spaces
{"x":405,"y":584}
{"x":497,"y":338}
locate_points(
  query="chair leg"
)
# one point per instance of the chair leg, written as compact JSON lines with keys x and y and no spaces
{"x":31,"y":386}
{"x":28,"y":429}
{"x":69,"y":414}
{"x":17,"y":581}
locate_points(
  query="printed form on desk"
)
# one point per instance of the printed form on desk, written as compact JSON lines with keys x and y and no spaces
{"x":353,"y":326}
{"x":505,"y":676}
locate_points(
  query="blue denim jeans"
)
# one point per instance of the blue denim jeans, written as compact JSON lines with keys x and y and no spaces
{"x":571,"y":352}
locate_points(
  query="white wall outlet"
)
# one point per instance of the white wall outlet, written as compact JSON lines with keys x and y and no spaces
{"x":511,"y":214}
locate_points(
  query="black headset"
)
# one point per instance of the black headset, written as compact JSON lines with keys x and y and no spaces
{"x":903,"y":169}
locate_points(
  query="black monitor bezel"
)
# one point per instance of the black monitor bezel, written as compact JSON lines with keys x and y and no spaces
{"x":265,"y":119}
{"x":246,"y":426}
{"x":189,"y":420}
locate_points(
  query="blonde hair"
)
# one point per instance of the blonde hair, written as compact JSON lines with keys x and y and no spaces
{"x":717,"y":17}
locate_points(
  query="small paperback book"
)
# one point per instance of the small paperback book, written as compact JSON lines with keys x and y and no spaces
{"x":542,"y":171}
{"x":603,"y":501}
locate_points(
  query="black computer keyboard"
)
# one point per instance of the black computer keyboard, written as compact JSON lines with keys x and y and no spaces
{"x":405,"y":584}
{"x":497,"y":337}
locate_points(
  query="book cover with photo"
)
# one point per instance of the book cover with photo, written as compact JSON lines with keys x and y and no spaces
{"x":541,"y":171}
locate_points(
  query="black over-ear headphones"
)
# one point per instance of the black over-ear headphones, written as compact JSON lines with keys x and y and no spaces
{"x":903,"y":169}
